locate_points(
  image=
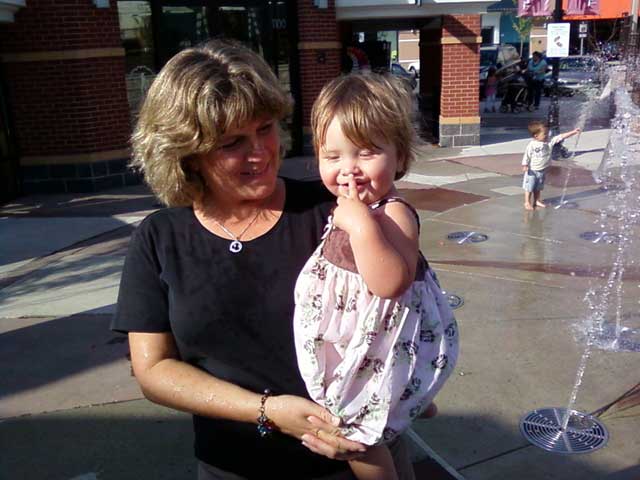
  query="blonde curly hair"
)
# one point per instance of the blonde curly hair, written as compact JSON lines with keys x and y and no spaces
{"x":201,"y":93}
{"x":369,"y":106}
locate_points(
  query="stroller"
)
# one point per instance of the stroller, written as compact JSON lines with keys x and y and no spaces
{"x":515,"y":93}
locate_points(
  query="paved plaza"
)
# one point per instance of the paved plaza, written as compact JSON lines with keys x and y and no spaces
{"x":70,"y":409}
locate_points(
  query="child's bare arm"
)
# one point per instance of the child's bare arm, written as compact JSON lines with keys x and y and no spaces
{"x":571,"y":133}
{"x":526,"y":159}
{"x":384,"y":244}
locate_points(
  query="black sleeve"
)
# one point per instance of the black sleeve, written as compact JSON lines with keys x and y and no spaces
{"x":142,"y":298}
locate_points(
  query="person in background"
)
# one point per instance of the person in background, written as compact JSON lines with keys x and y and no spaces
{"x":536,"y":160}
{"x":536,"y":71}
{"x":490,"y":90}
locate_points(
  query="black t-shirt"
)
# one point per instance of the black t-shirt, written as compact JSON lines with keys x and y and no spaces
{"x":231,"y":315}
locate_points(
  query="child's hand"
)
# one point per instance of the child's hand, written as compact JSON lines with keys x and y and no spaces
{"x":577,"y":130}
{"x":525,"y":168}
{"x":351,"y":211}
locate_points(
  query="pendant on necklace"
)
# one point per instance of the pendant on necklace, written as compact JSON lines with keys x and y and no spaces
{"x":235,"y":246}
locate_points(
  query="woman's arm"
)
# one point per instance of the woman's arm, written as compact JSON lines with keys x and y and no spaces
{"x":168,"y":381}
{"x":384,"y":244}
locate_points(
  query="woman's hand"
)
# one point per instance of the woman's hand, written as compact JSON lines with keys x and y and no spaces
{"x":351,"y":211}
{"x":314,"y":425}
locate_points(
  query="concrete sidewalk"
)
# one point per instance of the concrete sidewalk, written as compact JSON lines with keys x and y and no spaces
{"x":70,"y":408}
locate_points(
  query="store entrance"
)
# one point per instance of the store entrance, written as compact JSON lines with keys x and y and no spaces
{"x":9,"y":177}
{"x":260,"y":25}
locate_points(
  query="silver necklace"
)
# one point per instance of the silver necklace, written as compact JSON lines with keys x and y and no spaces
{"x":236,"y":245}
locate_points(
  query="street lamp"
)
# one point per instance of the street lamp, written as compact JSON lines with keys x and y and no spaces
{"x":553,"y":116}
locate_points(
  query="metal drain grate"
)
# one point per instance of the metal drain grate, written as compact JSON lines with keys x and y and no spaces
{"x":564,"y":204}
{"x":455,"y":301}
{"x":600,"y":237}
{"x":543,"y":428}
{"x":626,"y":338}
{"x":612,"y":187}
{"x":463,"y":237}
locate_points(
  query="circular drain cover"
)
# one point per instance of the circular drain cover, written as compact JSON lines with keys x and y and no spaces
{"x":613,"y":187}
{"x":462,"y":237}
{"x":455,"y":301}
{"x":626,"y":338}
{"x":565,"y":204}
{"x":543,"y":428}
{"x":600,"y":237}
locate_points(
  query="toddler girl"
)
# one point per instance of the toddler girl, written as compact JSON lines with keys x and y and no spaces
{"x":490,"y":90}
{"x":375,"y":337}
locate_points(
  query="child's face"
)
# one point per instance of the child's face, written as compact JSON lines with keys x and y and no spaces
{"x":373,"y":169}
{"x":542,"y":135}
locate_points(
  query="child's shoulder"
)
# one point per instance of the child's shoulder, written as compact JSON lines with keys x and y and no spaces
{"x":401,"y":212}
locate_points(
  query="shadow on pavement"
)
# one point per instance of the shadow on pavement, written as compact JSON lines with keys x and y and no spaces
{"x":138,"y":440}
{"x":105,"y":203}
{"x":50,"y":351}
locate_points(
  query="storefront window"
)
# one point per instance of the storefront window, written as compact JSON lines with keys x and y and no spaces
{"x":136,"y":33}
{"x":137,"y":39}
{"x":181,"y":27}
{"x":153,"y":31}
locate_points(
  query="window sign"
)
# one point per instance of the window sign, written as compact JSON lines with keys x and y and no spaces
{"x":558,"y":40}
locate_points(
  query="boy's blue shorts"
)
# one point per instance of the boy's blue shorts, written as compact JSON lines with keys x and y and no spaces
{"x":533,"y":180}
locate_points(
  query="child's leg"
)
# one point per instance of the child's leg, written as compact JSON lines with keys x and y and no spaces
{"x":376,"y":464}
{"x":536,"y":199}
{"x":527,"y":200}
{"x":430,"y":411}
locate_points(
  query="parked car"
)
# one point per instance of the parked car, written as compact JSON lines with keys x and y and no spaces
{"x":414,"y":67}
{"x":399,"y":71}
{"x":577,"y":73}
{"x":505,"y":58}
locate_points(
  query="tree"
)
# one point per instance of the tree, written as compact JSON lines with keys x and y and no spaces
{"x":522,"y":26}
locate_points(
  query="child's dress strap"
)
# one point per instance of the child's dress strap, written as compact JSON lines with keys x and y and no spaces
{"x":384,"y":201}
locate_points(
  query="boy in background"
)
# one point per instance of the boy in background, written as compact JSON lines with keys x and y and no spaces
{"x":536,"y":160}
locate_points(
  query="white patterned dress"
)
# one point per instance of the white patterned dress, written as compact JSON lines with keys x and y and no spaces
{"x":376,"y":363}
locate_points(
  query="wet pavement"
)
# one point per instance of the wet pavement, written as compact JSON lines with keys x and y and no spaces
{"x":69,"y":407}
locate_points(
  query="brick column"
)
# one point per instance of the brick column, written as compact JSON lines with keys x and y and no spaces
{"x":64,"y":70}
{"x":319,"y":51}
{"x":459,"y":101}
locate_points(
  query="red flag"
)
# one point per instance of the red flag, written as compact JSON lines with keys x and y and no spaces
{"x":583,"y":7}
{"x":535,"y":8}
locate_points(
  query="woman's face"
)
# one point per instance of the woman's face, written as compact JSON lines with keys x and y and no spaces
{"x":244,"y":167}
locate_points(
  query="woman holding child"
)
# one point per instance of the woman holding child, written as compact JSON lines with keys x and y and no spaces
{"x":207,"y":289}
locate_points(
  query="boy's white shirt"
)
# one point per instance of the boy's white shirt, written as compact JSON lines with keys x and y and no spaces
{"x":537,"y":155}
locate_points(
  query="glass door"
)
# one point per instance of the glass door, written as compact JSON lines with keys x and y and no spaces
{"x":9,"y":179}
{"x":180,"y":25}
{"x":265,"y":27}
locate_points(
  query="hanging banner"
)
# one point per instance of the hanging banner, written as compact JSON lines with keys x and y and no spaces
{"x":583,"y":7}
{"x":558,"y":39}
{"x":535,"y":8}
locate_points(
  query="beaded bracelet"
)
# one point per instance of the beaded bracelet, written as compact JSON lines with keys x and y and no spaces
{"x":265,"y":425}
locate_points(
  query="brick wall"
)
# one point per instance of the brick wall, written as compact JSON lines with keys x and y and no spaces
{"x":64,"y":69}
{"x":319,"y":53}
{"x":459,"y":100}
{"x":70,"y":106}
{"x":460,"y":66}
{"x":45,"y":25}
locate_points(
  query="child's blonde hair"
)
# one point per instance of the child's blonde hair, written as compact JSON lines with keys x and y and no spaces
{"x":369,"y":106}
{"x":536,"y":126}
